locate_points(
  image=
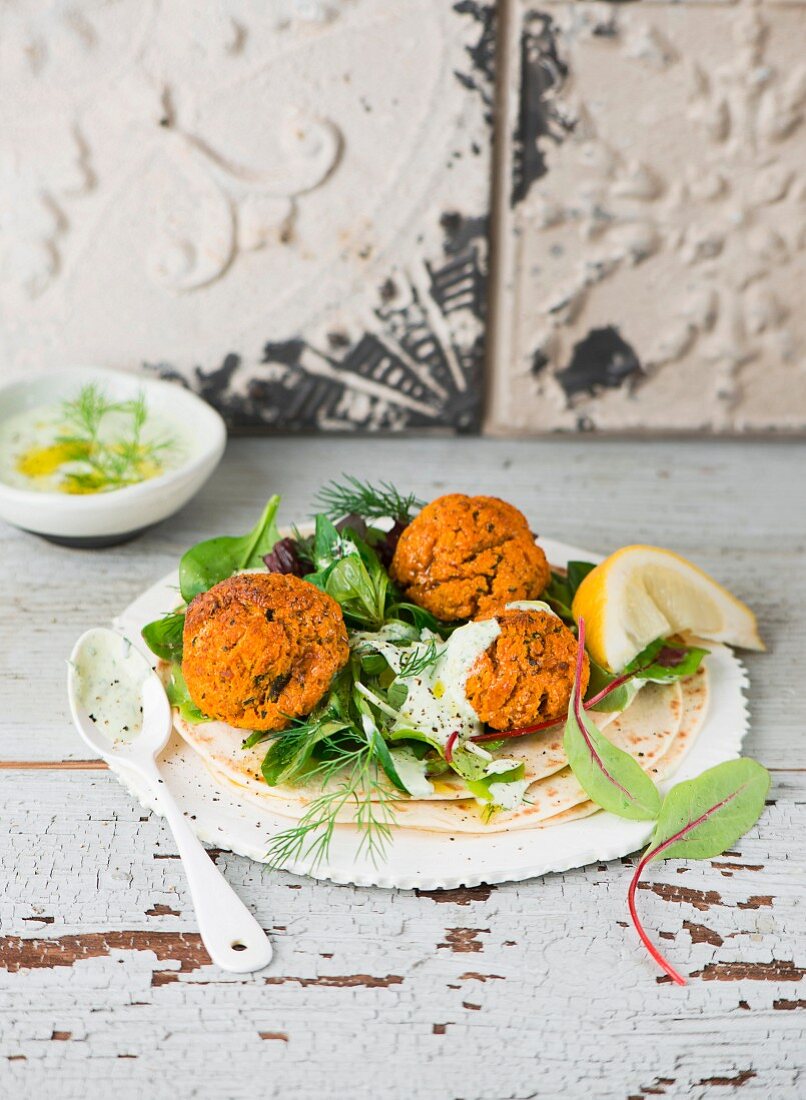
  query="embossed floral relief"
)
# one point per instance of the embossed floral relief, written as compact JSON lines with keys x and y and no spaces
{"x":658,"y":221}
{"x":256,"y":199}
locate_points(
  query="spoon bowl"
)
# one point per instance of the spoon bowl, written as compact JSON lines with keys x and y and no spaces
{"x":120,"y":708}
{"x":122,"y":678}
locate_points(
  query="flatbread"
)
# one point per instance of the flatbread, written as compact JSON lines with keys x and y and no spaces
{"x":645,"y":729}
{"x":553,"y":799}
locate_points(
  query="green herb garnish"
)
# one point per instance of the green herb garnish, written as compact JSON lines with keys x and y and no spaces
{"x":125,"y":459}
{"x":359,"y":498}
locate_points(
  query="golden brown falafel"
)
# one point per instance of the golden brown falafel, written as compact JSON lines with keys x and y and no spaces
{"x":260,"y":647}
{"x":527,"y":674}
{"x":463,"y":556}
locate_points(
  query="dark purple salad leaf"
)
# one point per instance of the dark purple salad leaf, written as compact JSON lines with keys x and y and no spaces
{"x":285,"y":558}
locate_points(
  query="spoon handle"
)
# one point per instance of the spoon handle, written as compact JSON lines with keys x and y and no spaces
{"x":234,"y":939}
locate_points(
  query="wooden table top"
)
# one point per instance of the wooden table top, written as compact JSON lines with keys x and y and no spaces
{"x":531,"y":990}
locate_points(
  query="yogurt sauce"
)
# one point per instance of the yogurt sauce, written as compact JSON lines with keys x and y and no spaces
{"x":32,"y":458}
{"x":436,"y":703}
{"x":109,"y":684}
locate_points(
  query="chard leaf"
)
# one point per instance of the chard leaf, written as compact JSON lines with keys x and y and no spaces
{"x":700,"y":819}
{"x":164,"y":636}
{"x":608,"y":775}
{"x":662,"y":662}
{"x":619,"y":697}
{"x":213,"y":560}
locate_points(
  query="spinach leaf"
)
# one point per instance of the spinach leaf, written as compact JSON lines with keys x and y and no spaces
{"x":179,"y":697}
{"x":349,"y":571}
{"x":699,"y":819}
{"x":213,"y":560}
{"x":164,"y":636}
{"x":559,"y":594}
{"x":607,"y":774}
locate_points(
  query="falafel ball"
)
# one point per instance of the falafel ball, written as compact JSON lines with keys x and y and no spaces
{"x":527,"y":674}
{"x":463,"y":557}
{"x":260,"y":648}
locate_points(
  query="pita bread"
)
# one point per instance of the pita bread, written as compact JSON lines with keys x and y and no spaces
{"x":554,"y":799}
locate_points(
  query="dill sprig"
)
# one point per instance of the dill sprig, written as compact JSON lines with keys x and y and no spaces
{"x":108,"y":464}
{"x":351,"y":496}
{"x":414,"y":662}
{"x":364,"y":787}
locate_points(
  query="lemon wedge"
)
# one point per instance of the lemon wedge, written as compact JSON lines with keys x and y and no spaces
{"x":641,"y":593}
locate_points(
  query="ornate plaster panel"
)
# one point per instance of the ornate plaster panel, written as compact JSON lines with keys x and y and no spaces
{"x":282,"y":203}
{"x":652,"y":250}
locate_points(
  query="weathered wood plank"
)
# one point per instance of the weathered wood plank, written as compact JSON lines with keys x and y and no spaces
{"x":534,"y":989}
{"x":737,"y":509}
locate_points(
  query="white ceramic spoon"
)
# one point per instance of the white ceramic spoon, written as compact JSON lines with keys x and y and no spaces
{"x":121,"y":710}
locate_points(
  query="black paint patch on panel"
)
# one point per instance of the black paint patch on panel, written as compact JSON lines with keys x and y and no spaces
{"x":602,"y":360}
{"x":542,"y":74}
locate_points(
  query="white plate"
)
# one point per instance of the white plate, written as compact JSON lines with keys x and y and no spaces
{"x":433,"y":860}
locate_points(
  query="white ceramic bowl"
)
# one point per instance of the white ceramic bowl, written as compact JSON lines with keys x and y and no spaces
{"x":102,"y":519}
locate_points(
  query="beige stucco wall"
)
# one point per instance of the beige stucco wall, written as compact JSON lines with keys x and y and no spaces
{"x":286,"y":204}
{"x":652,"y":239}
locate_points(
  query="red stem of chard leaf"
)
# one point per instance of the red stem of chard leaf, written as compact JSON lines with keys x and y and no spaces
{"x":639,"y":928}
{"x":522,"y":731}
{"x":576,"y":700}
{"x":648,"y":856}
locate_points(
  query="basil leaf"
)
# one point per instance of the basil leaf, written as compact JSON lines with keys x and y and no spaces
{"x":164,"y":636}
{"x":702,"y":817}
{"x":179,"y":697}
{"x":608,"y":775}
{"x":213,"y":560}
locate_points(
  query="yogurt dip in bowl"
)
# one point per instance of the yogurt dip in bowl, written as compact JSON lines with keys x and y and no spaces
{"x":92,"y":457}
